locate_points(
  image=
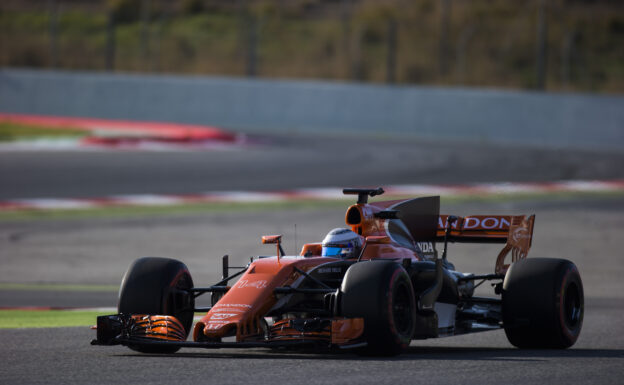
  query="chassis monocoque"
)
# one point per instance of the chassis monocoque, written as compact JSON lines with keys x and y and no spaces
{"x":397,"y":289}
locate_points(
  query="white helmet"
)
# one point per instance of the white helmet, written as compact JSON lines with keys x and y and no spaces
{"x":342,"y":243}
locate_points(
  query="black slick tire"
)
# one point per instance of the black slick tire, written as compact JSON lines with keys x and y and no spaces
{"x":543,"y":303}
{"x":158,"y":286}
{"x":380,"y":292}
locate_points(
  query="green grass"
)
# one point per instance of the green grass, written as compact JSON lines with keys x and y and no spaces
{"x":56,"y":287}
{"x":13,"y":131}
{"x":13,"y":319}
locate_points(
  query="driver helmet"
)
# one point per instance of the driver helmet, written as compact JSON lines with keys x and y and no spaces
{"x":342,"y":243}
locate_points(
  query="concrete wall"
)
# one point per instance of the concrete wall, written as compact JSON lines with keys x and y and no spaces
{"x":543,"y":119}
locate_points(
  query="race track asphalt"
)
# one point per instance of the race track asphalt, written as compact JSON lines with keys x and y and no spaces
{"x":586,"y":230}
{"x":288,"y":162}
{"x":65,"y":356}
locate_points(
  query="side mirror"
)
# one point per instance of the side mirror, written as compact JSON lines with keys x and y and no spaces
{"x":276,"y":239}
{"x":268,"y":239}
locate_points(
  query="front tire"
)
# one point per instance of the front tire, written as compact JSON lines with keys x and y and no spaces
{"x":543,"y":303}
{"x":158,"y":286}
{"x":380,"y":292}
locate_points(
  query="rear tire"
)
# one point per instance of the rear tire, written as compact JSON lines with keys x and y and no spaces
{"x":380,"y":292}
{"x":158,"y":286}
{"x":543,"y":303}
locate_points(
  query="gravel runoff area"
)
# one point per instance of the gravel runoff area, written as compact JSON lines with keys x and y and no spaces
{"x":587,"y":231}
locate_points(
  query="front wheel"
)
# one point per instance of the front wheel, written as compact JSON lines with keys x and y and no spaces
{"x":158,"y":286}
{"x":543,"y":303}
{"x":380,"y":292}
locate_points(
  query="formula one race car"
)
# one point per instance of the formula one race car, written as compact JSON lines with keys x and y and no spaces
{"x":373,"y":288}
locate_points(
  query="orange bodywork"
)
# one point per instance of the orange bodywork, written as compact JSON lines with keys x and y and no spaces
{"x":241,"y":311}
{"x":346,"y":330}
{"x":518,"y":242}
{"x":162,"y":327}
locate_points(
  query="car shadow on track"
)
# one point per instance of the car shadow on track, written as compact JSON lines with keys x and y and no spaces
{"x":413,"y":353}
{"x":506,"y":354}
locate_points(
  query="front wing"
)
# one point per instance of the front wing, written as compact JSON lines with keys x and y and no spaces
{"x":163,"y":331}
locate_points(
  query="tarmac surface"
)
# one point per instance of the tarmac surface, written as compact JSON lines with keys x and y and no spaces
{"x":64,"y":356}
{"x":291,"y":161}
{"x":586,"y":230}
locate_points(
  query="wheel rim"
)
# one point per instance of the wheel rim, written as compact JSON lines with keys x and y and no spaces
{"x":402,"y":310}
{"x":572,"y":306}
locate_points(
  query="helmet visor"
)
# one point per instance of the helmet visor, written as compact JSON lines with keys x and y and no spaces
{"x":331,"y":251}
{"x":335,"y":250}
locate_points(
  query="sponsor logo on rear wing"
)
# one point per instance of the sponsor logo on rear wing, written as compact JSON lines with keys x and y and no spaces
{"x":515,"y":231}
{"x":482,"y":228}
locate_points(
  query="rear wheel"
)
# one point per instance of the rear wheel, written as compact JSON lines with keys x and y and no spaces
{"x":382,"y":294}
{"x":543,"y":303}
{"x":158,"y":286}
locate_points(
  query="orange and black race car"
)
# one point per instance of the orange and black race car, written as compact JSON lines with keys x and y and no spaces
{"x":372,"y":287}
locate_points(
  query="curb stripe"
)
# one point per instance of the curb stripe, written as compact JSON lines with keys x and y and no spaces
{"x":173,"y":131}
{"x":483,"y":189}
{"x":123,"y":134}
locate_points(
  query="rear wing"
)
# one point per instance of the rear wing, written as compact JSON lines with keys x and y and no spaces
{"x":516,"y":231}
{"x":478,"y":228}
